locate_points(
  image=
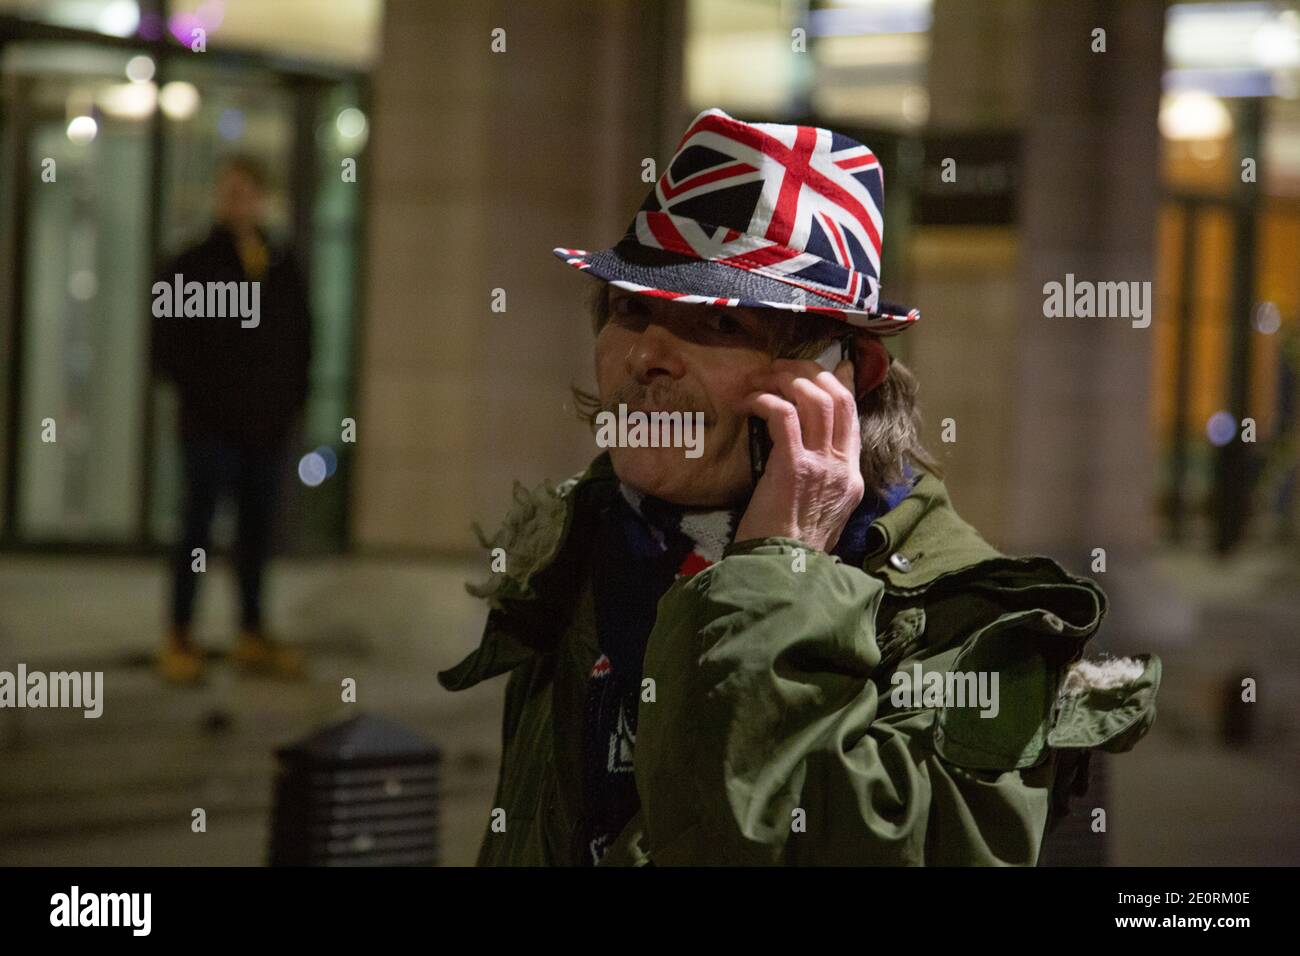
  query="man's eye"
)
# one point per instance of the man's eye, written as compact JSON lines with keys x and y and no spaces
{"x":724,"y":323}
{"x":626,"y":305}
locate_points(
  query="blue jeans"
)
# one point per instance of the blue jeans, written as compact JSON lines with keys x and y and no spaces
{"x":213,"y":467}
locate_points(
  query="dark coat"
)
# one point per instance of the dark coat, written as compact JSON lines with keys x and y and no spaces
{"x":247,"y":384}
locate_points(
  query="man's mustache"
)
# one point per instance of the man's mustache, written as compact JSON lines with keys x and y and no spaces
{"x":650,"y":398}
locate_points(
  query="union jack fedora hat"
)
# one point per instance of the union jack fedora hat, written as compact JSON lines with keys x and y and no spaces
{"x":760,"y":215}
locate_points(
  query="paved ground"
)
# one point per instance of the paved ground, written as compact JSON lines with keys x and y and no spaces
{"x":120,"y":789}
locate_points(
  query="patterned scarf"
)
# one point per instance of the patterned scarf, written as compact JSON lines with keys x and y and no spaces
{"x":644,"y":545}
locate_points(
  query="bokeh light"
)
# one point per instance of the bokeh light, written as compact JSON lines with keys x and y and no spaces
{"x":140,"y":69}
{"x":1221,"y":428}
{"x":82,"y":129}
{"x":351,"y":123}
{"x":128,"y":100}
{"x":1266,"y":318}
{"x":179,"y":100}
{"x":312,"y":469}
{"x":120,"y":18}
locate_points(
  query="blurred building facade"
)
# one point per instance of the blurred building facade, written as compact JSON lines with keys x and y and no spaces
{"x":1071,"y":434}
{"x":486,"y":133}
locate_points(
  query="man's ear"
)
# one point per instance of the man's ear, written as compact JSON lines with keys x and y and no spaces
{"x":871,"y":364}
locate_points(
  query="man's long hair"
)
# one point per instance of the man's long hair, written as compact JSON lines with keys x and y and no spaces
{"x":890,"y":417}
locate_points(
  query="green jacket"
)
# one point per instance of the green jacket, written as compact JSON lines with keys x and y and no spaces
{"x":769,"y":733}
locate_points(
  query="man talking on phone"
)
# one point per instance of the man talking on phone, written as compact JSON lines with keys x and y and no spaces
{"x":790,"y":649}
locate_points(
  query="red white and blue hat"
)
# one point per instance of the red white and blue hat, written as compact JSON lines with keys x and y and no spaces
{"x":760,"y":215}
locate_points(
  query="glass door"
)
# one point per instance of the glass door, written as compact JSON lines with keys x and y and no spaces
{"x":110,"y":150}
{"x":84,"y":262}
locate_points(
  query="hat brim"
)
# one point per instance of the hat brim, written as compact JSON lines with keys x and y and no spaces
{"x":684,"y":278}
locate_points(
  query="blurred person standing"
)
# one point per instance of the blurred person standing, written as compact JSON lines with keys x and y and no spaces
{"x":241,"y":385}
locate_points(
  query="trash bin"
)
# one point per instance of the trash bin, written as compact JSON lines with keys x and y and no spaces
{"x":363,"y":792}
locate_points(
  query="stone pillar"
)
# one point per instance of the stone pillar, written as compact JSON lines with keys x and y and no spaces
{"x":977,"y":75}
{"x":1082,"y":453}
{"x":965,"y":349}
{"x":1082,"y":465}
{"x":480,"y":163}
{"x":1054,"y":449}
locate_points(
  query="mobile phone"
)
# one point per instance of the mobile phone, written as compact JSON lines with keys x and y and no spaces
{"x":760,"y":442}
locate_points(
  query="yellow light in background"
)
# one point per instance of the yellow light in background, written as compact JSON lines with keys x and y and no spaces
{"x":742,"y":71}
{"x":874,"y":50}
{"x":179,"y":100}
{"x":861,"y":61}
{"x":339,"y":31}
{"x":1193,"y":115}
{"x":82,"y":129}
{"x":133,"y":101}
{"x":121,"y":18}
{"x":1276,"y":44}
{"x":739,"y":56}
{"x":874,"y":78}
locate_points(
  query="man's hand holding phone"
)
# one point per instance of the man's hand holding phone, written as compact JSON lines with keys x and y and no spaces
{"x":812,"y":480}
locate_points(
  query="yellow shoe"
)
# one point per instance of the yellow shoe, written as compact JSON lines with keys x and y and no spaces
{"x":180,"y":662}
{"x":257,"y":653}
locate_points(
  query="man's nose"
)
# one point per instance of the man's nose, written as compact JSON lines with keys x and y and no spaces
{"x":656,"y":351}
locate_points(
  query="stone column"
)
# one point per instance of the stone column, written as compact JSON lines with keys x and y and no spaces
{"x":481,"y":162}
{"x":1082,"y":461}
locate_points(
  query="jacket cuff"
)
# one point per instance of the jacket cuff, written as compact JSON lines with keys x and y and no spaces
{"x":772,"y":545}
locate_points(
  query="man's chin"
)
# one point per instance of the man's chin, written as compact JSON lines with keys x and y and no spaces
{"x":667,"y":474}
{"x":651,"y":471}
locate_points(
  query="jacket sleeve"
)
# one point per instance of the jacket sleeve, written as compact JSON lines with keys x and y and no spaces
{"x":766,"y":742}
{"x":166,"y":342}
